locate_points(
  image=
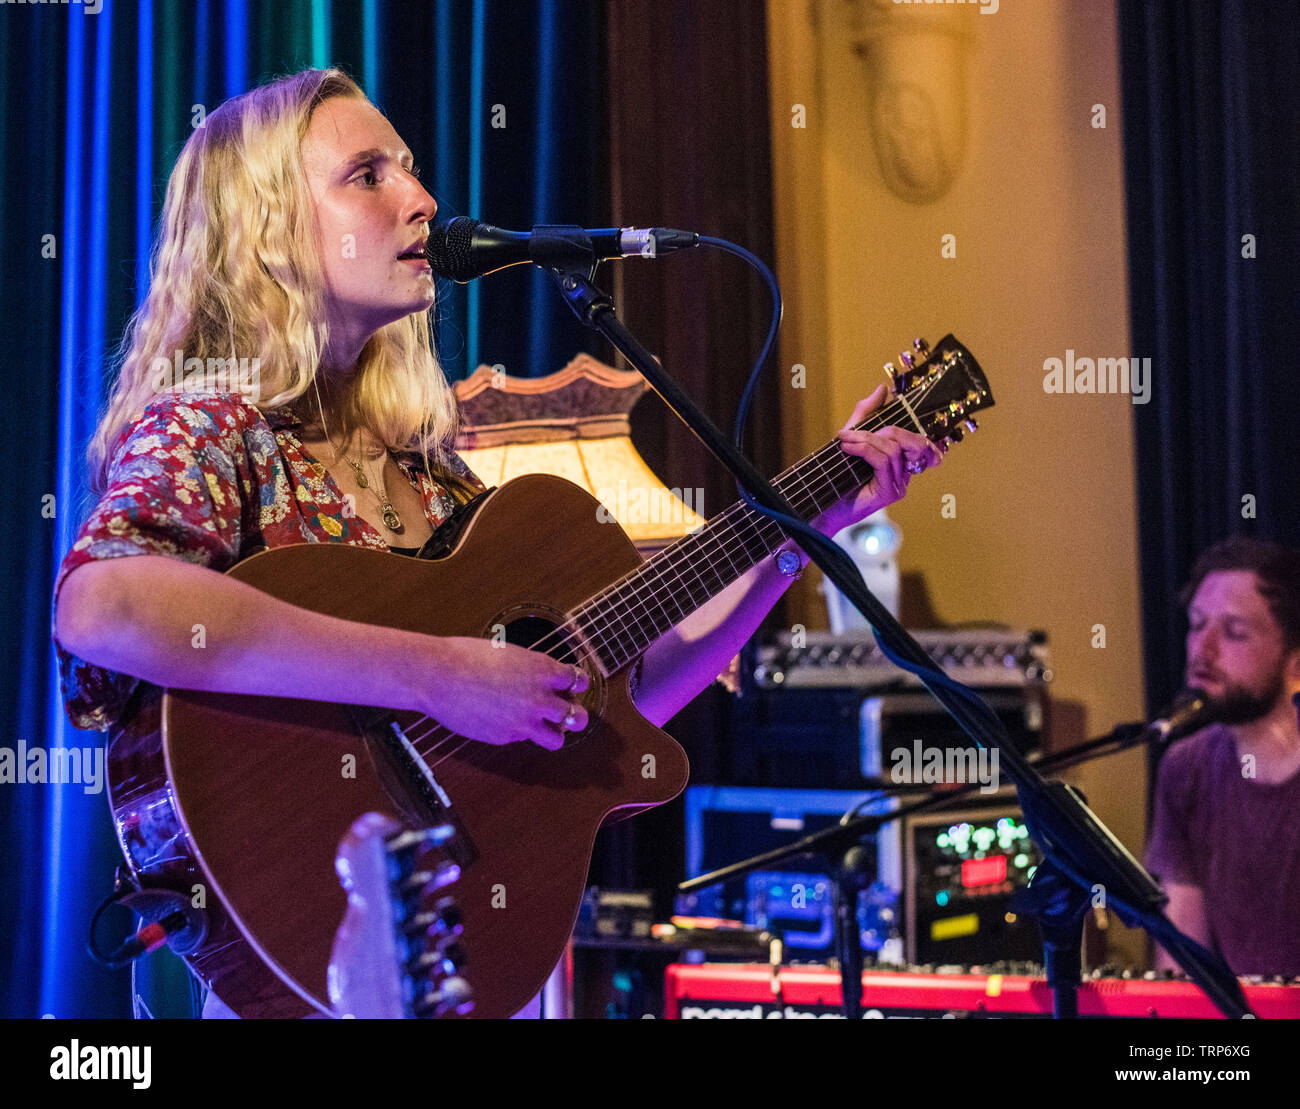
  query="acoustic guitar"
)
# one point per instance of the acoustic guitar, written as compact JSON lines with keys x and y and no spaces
{"x":245,"y":798}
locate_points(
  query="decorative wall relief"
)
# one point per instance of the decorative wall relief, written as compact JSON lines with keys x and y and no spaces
{"x":914,"y":56}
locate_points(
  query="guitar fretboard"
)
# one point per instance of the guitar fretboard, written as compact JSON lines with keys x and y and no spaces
{"x":621,"y":622}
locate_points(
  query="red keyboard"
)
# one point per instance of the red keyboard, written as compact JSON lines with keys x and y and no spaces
{"x":733,"y":990}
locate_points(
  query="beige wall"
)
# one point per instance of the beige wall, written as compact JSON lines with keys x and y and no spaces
{"x":1045,"y":532}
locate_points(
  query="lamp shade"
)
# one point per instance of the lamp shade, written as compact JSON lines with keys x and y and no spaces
{"x":573,"y":424}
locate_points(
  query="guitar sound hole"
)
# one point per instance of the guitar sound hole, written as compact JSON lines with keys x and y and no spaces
{"x":537,"y":631}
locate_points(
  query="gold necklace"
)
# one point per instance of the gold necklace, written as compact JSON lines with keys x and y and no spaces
{"x":392,"y":521}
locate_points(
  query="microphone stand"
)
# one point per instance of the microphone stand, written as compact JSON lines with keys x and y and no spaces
{"x":1079,"y":851}
{"x":852,"y":876}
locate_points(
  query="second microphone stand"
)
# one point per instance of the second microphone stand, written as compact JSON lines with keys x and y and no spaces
{"x":1079,"y":851}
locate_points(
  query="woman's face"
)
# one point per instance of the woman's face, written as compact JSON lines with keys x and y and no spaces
{"x":369,"y":209}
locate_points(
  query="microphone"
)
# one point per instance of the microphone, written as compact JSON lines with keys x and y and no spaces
{"x":1189,"y":711}
{"x":464,"y":248}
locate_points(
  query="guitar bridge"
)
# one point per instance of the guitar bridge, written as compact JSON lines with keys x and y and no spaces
{"x":410,"y":780}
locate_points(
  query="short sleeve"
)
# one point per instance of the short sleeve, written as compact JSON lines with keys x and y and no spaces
{"x":174,"y":489}
{"x":1169,"y":854}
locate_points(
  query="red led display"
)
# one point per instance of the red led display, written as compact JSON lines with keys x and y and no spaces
{"x":981,"y":872}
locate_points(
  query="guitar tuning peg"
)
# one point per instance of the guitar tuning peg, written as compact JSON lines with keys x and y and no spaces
{"x":419,"y":925}
{"x":907,"y":360}
{"x":956,"y":435}
{"x":449,"y":915}
{"x":444,"y":920}
{"x":443,"y":956}
{"x":921,"y":347}
{"x":453,"y":996}
{"x":971,"y":425}
{"x":454,"y":954}
{"x":421,"y":839}
{"x":423,"y":881}
{"x":895,"y":377}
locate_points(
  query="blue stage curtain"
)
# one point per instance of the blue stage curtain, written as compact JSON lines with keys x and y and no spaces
{"x":95,"y":102}
{"x":1211,"y":121}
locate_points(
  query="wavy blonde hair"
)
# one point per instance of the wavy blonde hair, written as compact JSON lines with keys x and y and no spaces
{"x":235,"y":271}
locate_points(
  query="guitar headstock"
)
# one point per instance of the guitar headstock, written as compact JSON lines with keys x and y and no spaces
{"x":942,"y":388}
{"x":392,"y":959}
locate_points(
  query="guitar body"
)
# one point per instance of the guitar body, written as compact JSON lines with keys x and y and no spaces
{"x":242,"y":801}
{"x":251,"y":795}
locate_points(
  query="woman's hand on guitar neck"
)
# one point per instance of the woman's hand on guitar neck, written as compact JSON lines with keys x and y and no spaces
{"x":890,"y":452}
{"x":499,"y":693}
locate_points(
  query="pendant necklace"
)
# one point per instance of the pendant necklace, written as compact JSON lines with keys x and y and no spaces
{"x":392,"y":521}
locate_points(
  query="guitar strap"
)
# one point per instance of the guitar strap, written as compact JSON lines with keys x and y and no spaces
{"x":440,"y":543}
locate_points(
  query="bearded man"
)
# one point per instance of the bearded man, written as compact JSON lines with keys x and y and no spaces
{"x":1225,"y":839}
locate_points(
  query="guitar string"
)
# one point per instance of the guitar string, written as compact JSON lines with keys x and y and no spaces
{"x":709,"y":542}
{"x":646,"y":599}
{"x":841,"y":463}
{"x":566,"y":636}
{"x":705,"y":543}
{"x":759,"y":527}
{"x":616,"y":604}
{"x":649,"y":589}
{"x":754,"y":528}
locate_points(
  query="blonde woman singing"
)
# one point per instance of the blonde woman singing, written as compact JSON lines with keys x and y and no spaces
{"x":290,"y":257}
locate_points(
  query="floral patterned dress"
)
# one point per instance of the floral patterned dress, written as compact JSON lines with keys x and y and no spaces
{"x":208,"y":478}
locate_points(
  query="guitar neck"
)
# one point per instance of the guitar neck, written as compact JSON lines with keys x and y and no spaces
{"x":936,"y":396}
{"x":620,"y":623}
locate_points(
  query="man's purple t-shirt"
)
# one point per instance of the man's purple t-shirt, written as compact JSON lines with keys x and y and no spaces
{"x":1237,"y":839}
